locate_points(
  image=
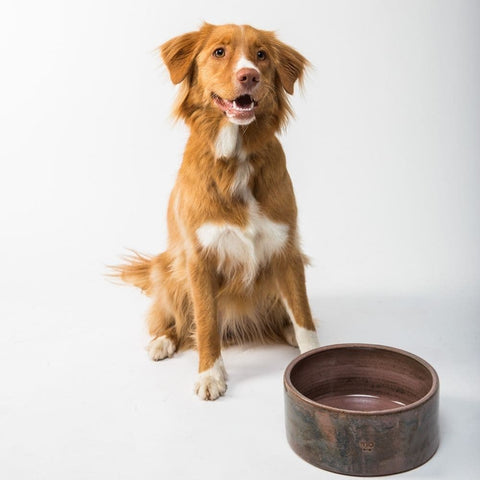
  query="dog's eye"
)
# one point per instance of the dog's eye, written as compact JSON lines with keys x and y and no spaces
{"x":219,"y":52}
{"x":261,"y":55}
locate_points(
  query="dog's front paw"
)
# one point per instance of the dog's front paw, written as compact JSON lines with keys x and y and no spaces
{"x":306,"y":339}
{"x":160,"y":348}
{"x":212,"y":383}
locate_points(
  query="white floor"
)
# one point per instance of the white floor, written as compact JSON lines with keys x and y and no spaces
{"x":80,"y":400}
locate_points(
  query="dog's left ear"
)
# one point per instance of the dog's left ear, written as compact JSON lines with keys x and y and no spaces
{"x":291,"y":65}
{"x":179,"y":54}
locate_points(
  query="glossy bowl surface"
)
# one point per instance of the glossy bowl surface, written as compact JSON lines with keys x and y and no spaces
{"x":361,"y":409}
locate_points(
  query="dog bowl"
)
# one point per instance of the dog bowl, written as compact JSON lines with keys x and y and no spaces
{"x":362,"y":409}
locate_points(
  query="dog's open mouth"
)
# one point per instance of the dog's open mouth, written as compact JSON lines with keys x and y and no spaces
{"x":241,"y":109}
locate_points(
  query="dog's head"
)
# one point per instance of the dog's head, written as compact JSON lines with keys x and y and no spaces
{"x":233,"y":71}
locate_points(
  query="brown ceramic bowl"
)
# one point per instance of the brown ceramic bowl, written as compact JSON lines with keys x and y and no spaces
{"x":361,"y":409}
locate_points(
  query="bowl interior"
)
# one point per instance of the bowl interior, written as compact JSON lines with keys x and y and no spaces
{"x":361,"y":378}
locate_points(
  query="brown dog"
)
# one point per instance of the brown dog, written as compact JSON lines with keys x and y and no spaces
{"x":233,"y":271}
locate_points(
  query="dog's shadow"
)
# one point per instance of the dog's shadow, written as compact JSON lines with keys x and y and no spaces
{"x":244,"y":363}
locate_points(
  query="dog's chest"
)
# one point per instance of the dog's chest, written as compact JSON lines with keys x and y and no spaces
{"x":242,"y":249}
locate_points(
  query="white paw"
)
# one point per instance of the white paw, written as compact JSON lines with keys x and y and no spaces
{"x":160,"y":348}
{"x":212,"y":383}
{"x":306,"y":339}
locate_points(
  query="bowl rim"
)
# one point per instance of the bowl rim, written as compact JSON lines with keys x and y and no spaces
{"x":289,"y":387}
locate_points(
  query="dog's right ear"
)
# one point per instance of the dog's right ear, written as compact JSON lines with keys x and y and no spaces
{"x":179,"y":54}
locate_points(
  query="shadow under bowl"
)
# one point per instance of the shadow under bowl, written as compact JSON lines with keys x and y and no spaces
{"x":360,"y":409}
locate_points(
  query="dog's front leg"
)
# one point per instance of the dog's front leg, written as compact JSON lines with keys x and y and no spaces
{"x":294,"y":296}
{"x":211,"y":381}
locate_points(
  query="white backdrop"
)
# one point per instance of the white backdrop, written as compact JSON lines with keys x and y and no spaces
{"x":384,"y":154}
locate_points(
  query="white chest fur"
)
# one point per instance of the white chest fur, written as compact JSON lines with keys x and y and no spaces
{"x":228,"y":142}
{"x":244,"y":249}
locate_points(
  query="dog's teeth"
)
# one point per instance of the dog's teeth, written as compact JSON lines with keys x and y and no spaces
{"x":244,"y":108}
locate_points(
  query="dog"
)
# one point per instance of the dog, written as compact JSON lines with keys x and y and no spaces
{"x":233,"y":271}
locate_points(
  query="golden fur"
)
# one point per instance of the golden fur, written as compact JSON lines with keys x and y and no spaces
{"x":204,"y":293}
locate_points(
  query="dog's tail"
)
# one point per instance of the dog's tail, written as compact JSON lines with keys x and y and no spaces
{"x":134,"y":270}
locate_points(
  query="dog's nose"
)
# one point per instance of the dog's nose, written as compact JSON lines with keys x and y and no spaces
{"x":248,"y":77}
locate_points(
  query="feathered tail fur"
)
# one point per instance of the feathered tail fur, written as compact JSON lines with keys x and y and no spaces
{"x":134,"y":270}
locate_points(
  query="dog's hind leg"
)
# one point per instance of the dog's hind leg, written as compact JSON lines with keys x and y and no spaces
{"x":161,"y":347}
{"x":288,"y":334}
{"x":161,"y":327}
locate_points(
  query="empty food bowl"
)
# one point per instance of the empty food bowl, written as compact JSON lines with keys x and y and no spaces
{"x":360,"y":409}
